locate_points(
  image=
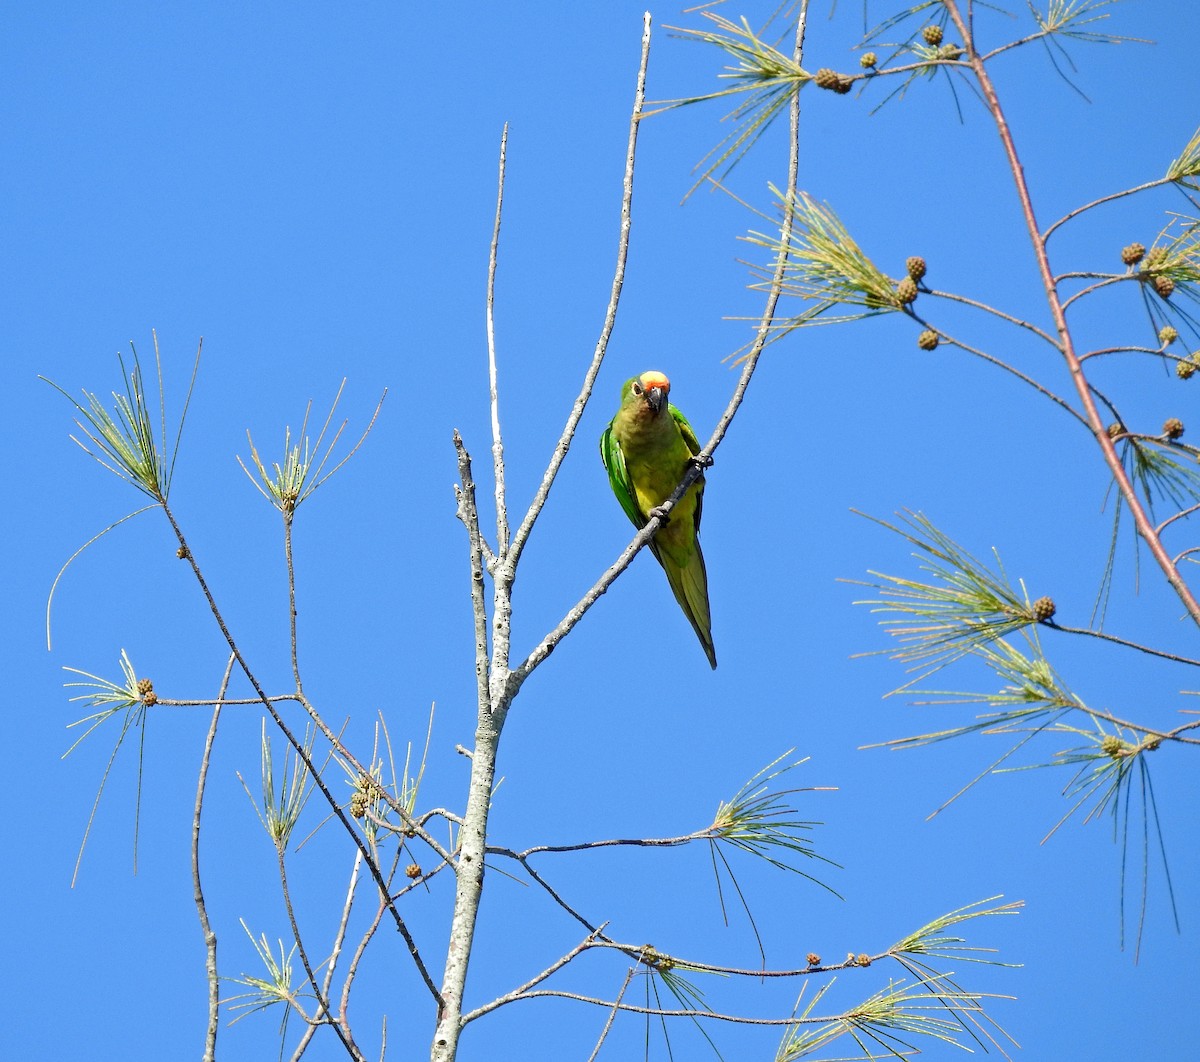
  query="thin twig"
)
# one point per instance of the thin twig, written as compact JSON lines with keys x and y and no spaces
{"x":497,"y":440}
{"x":1179,"y":515}
{"x":555,"y":896}
{"x":1184,"y":554}
{"x":952,"y":297}
{"x":323,"y":1011}
{"x":537,"y":979}
{"x":1174,"y":734}
{"x":585,"y":846}
{"x":340,"y":939}
{"x":360,"y":951}
{"x":1103,"y":283}
{"x":210,"y":937}
{"x":221,"y":702}
{"x":852,"y":961}
{"x":1121,"y":641}
{"x":1103,"y":199}
{"x":612,"y":1014}
{"x":1103,"y":351}
{"x":663,"y":1012}
{"x":991,"y":359}
{"x":610,"y":315}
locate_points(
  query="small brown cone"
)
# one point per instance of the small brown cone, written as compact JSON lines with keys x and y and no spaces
{"x":1133,"y":254}
{"x":906,"y":291}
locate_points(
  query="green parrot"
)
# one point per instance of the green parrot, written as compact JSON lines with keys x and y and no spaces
{"x":646,"y":449}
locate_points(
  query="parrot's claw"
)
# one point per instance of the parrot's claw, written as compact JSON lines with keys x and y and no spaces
{"x":702,"y":460}
{"x":661,"y":514}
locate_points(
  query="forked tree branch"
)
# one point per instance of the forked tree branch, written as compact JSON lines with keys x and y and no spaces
{"x":494,"y":687}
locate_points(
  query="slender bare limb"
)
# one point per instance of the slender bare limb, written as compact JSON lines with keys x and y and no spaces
{"x":339,"y":939}
{"x":421,"y":879}
{"x":775,"y":289}
{"x":1010,"y":45}
{"x":553,"y":894}
{"x":1103,"y":199}
{"x":610,"y":316}
{"x":497,"y":440}
{"x":851,"y":961}
{"x":449,"y":816}
{"x":1174,"y":734}
{"x":1141,"y":728}
{"x":952,"y":297}
{"x":1103,"y":283}
{"x":489,"y":555}
{"x":612,"y":1014}
{"x":663,"y":1012}
{"x":991,"y":359}
{"x":324,"y":1013}
{"x":359,"y":952}
{"x":537,"y":979}
{"x":577,"y":611}
{"x":222,"y":702}
{"x":1103,"y":635}
{"x":1101,"y":352}
{"x":210,"y":937}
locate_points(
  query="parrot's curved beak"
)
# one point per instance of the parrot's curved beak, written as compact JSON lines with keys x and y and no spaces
{"x":656,"y":397}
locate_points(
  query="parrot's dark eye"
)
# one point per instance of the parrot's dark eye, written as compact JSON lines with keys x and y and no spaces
{"x":637,"y":388}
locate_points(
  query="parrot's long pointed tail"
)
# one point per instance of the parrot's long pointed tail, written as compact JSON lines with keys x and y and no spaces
{"x":689,"y":583}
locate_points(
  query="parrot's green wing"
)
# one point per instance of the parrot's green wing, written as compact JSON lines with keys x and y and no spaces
{"x":685,"y":429}
{"x":618,"y":477}
{"x":693,"y":444}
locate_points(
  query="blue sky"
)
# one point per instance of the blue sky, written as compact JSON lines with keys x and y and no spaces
{"x":312,"y":190}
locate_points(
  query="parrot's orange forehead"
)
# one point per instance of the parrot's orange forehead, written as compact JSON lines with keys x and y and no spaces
{"x":653,"y":378}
